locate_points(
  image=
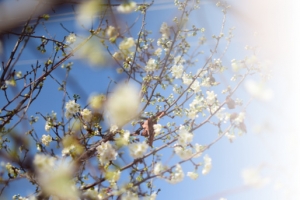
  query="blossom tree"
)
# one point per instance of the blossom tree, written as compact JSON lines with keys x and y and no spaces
{"x":113,"y":144}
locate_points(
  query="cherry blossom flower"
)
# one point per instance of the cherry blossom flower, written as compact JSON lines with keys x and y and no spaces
{"x":70,"y":39}
{"x":122,"y":105}
{"x":46,"y":139}
{"x":193,"y":175}
{"x":164,"y":30}
{"x":106,"y":153}
{"x":207,"y":165}
{"x":127,"y":43}
{"x":127,"y":8}
{"x":177,"y":71}
{"x":184,"y":137}
{"x":157,"y":128}
{"x":71,"y":109}
{"x":151,"y":65}
{"x":86,"y":115}
{"x":137,"y":150}
{"x":176,"y":176}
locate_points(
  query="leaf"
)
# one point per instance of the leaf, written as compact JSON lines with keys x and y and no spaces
{"x":148,"y":127}
{"x":230,"y":103}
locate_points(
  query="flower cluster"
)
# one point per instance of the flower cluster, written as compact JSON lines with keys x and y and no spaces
{"x":70,"y":39}
{"x":13,"y":171}
{"x":123,"y":140}
{"x":86,"y":115}
{"x":158,"y":168}
{"x":183,"y":152}
{"x":193,"y":175}
{"x":51,"y":121}
{"x":184,"y":137}
{"x":151,"y":65}
{"x":207,"y":165}
{"x":157,"y":128}
{"x":211,"y":97}
{"x":165,"y":30}
{"x":195,"y":107}
{"x":177,"y":71}
{"x":71,"y":109}
{"x":106,"y":153}
{"x":123,"y":104}
{"x":111,"y":32}
{"x":127,"y":43}
{"x":55,"y":177}
{"x":126,"y":8}
{"x":137,"y":150}
{"x":96,"y":101}
{"x":176,"y":176}
{"x":46,"y":139}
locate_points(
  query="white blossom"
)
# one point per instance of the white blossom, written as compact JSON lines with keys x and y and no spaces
{"x":207,"y":165}
{"x":123,"y":104}
{"x":176,"y":176}
{"x":86,"y":115}
{"x":111,"y":32}
{"x":113,"y":128}
{"x":211,"y":97}
{"x":106,"y":153}
{"x":236,"y":65}
{"x":151,"y":197}
{"x":127,"y":43}
{"x":192,"y":113}
{"x":157,"y":128}
{"x":199,"y":149}
{"x":71,"y":38}
{"x":178,"y":60}
{"x":128,"y":195}
{"x":67,"y":150}
{"x":118,"y":56}
{"x":86,"y":11}
{"x":123,"y":140}
{"x":126,"y":8}
{"x":196,"y":86}
{"x":19,"y":73}
{"x":230,"y":137}
{"x":90,"y":194}
{"x":177,"y":71}
{"x":240,"y":118}
{"x":158,"y":52}
{"x":71,"y":108}
{"x":96,"y":101}
{"x":12,"y":170}
{"x":55,"y":177}
{"x":193,"y":175}
{"x":186,"y":79}
{"x":184,"y":137}
{"x":158,"y":168}
{"x":206,"y":82}
{"x":48,"y":125}
{"x":151,"y":65}
{"x":46,"y":139}
{"x":43,"y":162}
{"x":164,"y":30}
{"x":183,"y":153}
{"x":137,"y":150}
{"x":221,"y":115}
